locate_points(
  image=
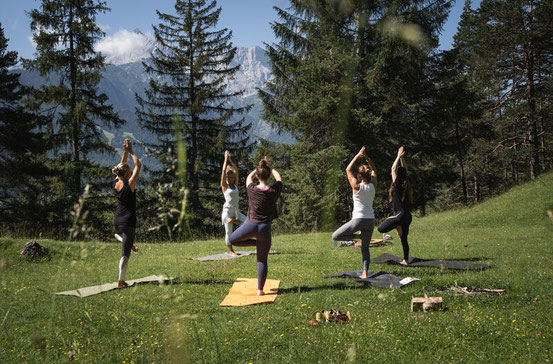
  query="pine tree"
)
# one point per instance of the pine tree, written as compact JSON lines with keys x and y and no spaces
{"x":187,"y":101}
{"x":21,"y":152}
{"x":65,"y":32}
{"x":508,"y":53}
{"x":348,"y":74}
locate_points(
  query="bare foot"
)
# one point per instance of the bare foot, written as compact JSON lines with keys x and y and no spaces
{"x":363,"y":275}
{"x":135,"y":248}
{"x":122,"y":284}
{"x":403,"y":262}
{"x":232,"y":254}
{"x":260,"y":292}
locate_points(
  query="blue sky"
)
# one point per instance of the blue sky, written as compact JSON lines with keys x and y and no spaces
{"x":248,"y":19}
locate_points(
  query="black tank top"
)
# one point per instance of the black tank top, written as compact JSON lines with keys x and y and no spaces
{"x":397,"y":194}
{"x":125,"y":215}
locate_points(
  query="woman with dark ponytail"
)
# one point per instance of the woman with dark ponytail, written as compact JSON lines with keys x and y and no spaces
{"x":256,"y":230}
{"x":401,"y":197}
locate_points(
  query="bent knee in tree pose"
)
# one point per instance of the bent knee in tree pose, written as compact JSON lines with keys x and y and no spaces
{"x":256,"y":230}
{"x":124,"y":221}
{"x":229,"y":185}
{"x":401,"y":197}
{"x":363,"y":185}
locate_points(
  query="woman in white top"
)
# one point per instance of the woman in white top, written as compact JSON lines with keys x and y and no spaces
{"x":362,"y":218}
{"x":231,"y":213}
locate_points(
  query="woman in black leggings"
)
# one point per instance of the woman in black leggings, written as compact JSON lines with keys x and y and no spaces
{"x":124,"y":221}
{"x":401,"y":197}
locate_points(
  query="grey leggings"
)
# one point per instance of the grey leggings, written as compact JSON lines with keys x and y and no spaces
{"x":347,"y":232}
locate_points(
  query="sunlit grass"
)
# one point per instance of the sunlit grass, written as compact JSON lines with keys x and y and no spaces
{"x":182,"y":321}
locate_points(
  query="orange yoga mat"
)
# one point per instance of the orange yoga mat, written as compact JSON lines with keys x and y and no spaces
{"x":244,"y":292}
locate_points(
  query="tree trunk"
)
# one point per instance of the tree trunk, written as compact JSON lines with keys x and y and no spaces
{"x":476,"y":189}
{"x":532,"y":130}
{"x":461,"y":162}
{"x":193,"y":158}
{"x":75,"y":130}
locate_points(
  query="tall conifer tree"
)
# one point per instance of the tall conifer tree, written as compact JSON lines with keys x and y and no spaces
{"x":188,"y":101}
{"x":65,"y":33}
{"x":22,"y":148}
{"x":508,"y":51}
{"x":352,"y":73}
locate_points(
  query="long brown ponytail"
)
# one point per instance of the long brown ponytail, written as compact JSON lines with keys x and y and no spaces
{"x":406,"y":196}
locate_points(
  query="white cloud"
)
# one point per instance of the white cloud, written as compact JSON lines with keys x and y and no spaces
{"x":32,"y":41}
{"x":125,"y":46}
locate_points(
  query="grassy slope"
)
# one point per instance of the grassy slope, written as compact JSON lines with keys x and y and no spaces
{"x":183,"y":322}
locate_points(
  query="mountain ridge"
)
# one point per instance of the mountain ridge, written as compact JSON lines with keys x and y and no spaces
{"x":122,"y":81}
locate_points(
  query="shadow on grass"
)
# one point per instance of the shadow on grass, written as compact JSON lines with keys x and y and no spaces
{"x":475,"y":259}
{"x":338,"y":286}
{"x":205,"y":282}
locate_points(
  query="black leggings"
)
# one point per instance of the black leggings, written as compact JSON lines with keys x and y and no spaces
{"x":403,"y":219}
{"x":127,"y":233}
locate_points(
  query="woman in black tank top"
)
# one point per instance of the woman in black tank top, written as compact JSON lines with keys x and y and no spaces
{"x":124,"y":221}
{"x":401,"y":197}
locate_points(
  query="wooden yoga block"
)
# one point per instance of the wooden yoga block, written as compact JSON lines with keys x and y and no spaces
{"x":425,"y":303}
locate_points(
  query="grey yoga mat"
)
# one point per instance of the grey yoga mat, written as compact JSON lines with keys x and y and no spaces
{"x":380,"y":279}
{"x":226,"y":256}
{"x":442,"y":263}
{"x":92,"y":290}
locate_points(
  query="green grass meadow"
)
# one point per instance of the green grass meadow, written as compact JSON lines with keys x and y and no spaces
{"x":182,"y":321}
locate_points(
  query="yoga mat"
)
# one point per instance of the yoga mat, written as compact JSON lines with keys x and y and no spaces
{"x":357,"y":244}
{"x":380,"y":279}
{"x":226,"y":256}
{"x":418,"y":262}
{"x":90,"y":291}
{"x":244,"y":292}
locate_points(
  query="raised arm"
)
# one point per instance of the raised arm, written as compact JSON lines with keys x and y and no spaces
{"x":403,"y":164}
{"x":276,"y":175}
{"x":349,"y":170}
{"x":125,"y":152}
{"x":374,"y":178}
{"x":233,"y":166}
{"x":223,"y":172}
{"x":250,"y":178}
{"x":137,"y":165}
{"x":400,"y":153}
